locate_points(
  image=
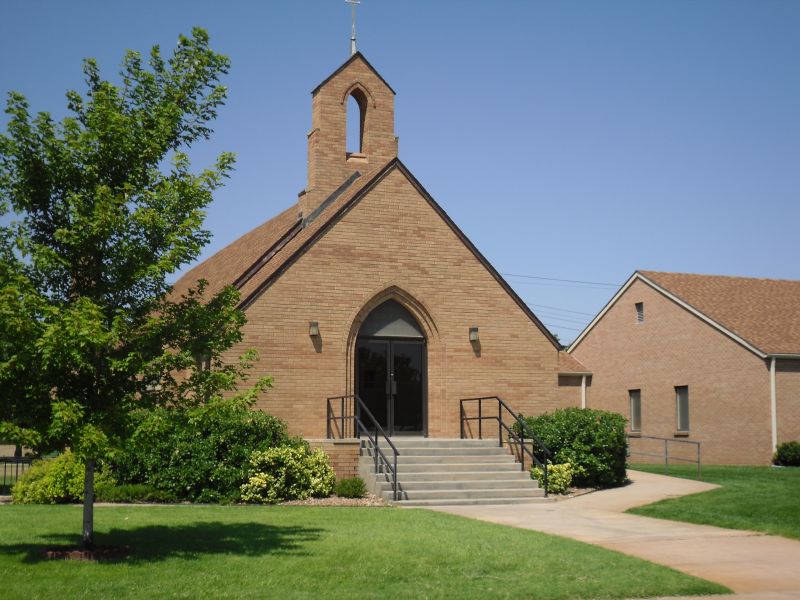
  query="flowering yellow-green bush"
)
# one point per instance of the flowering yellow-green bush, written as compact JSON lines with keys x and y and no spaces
{"x":288,"y":473}
{"x":559,"y":477}
{"x":54,"y":481}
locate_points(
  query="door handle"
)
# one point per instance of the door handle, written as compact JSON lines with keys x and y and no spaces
{"x":394,"y":385}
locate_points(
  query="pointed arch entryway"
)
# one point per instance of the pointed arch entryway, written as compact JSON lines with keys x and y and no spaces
{"x":390,"y":365}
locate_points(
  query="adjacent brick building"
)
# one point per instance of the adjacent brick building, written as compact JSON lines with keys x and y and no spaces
{"x":366,"y":286}
{"x":700,"y":357}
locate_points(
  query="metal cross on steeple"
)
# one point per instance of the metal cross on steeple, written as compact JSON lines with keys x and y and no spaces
{"x":353,"y":4}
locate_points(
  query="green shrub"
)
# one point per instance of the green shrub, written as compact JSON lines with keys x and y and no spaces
{"x":592,"y":441}
{"x":351,"y":488}
{"x":787,"y":454}
{"x":288,"y":473}
{"x":559,"y":477}
{"x":132,"y":492}
{"x":55,"y":481}
{"x":199,"y":454}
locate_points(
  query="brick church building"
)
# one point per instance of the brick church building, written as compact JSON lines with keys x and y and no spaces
{"x":366,"y":286}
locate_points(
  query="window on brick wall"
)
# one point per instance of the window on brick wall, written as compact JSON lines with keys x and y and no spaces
{"x":635,"y":398}
{"x":682,"y":407}
{"x":640,"y":312}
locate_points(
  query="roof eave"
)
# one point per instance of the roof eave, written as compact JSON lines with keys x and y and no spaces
{"x":637,"y":275}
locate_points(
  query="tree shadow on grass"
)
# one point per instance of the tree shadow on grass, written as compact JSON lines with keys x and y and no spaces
{"x":161,"y":542}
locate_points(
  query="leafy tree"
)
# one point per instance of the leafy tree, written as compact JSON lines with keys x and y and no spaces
{"x":107,"y":208}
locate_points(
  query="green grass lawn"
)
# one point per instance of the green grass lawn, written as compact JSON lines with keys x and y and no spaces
{"x":314,"y":552}
{"x":755,"y":498}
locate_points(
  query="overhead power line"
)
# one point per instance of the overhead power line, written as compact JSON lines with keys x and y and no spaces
{"x":615,"y":285}
{"x":562,"y":327}
{"x":575,"y":312}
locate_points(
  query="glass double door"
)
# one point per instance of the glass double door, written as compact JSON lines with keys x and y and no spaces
{"x":390,"y":379}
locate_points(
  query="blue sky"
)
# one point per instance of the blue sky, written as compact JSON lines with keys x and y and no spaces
{"x":576,"y":140}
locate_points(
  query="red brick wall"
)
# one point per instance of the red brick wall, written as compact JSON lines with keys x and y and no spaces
{"x":342,"y":454}
{"x":393,"y":244}
{"x":729,"y":391}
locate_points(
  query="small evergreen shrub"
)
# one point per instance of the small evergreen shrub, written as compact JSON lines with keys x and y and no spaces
{"x":55,"y":481}
{"x":132,"y":492}
{"x":593,"y":442}
{"x":559,"y":477}
{"x":288,"y":473}
{"x":200,"y":453}
{"x":787,"y":454}
{"x":351,"y":488}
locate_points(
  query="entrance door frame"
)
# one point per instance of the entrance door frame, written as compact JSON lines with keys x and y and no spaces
{"x":390,"y":398}
{"x":392,"y":290}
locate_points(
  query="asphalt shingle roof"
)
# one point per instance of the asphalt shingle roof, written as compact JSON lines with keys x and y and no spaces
{"x":764,"y":312}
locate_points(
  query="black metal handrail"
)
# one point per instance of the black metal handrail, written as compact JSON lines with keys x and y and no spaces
{"x":13,"y":467}
{"x":349,"y":420}
{"x":524,"y":432}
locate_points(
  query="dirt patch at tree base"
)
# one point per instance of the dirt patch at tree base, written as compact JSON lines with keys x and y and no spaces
{"x":98,"y":553}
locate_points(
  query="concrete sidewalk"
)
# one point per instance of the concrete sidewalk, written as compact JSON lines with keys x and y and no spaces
{"x":744,"y":561}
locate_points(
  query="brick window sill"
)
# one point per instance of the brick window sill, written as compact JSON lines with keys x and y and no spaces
{"x":681,"y":434}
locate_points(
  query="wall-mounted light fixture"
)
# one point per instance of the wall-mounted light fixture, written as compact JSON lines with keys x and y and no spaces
{"x":473,"y":334}
{"x":313,"y":328}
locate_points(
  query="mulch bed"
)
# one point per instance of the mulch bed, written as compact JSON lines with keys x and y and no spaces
{"x":98,"y":553}
{"x":368,"y":500}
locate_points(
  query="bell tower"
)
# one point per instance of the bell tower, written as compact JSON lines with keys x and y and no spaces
{"x":329,"y":163}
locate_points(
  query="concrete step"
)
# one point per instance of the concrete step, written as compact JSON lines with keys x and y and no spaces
{"x":469,"y":501}
{"x":417,"y":442}
{"x":456,"y":494}
{"x":452,"y":458}
{"x":412,"y":487}
{"x":433,"y":467}
{"x":506,"y":475}
{"x":443,"y":451}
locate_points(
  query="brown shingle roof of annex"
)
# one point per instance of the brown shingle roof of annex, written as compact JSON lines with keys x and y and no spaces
{"x":763,"y":312}
{"x":253,"y":261}
{"x":569,"y":365}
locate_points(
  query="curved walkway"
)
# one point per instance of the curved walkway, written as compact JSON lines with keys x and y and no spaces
{"x":744,"y":561}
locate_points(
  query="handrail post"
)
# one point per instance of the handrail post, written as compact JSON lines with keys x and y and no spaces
{"x":666,"y":457}
{"x":330,"y":433}
{"x":461,"y":415}
{"x":394,"y":478}
{"x":522,"y":447}
{"x":480,"y":418}
{"x":698,"y":461}
{"x":500,"y":422}
{"x":545,"y":469}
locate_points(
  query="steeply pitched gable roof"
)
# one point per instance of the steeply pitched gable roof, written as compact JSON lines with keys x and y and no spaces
{"x":761,"y":314}
{"x":256,"y":259}
{"x":354,"y":57}
{"x":237,"y":258}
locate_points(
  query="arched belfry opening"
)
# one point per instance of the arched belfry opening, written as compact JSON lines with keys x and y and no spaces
{"x":352,"y":130}
{"x":356,"y":119}
{"x":391,"y":369}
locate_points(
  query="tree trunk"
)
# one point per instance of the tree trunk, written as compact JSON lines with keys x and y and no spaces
{"x":88,"y":505}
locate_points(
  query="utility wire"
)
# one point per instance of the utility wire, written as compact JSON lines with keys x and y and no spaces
{"x":563,"y":327}
{"x":561,"y":280}
{"x":576,"y":312}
